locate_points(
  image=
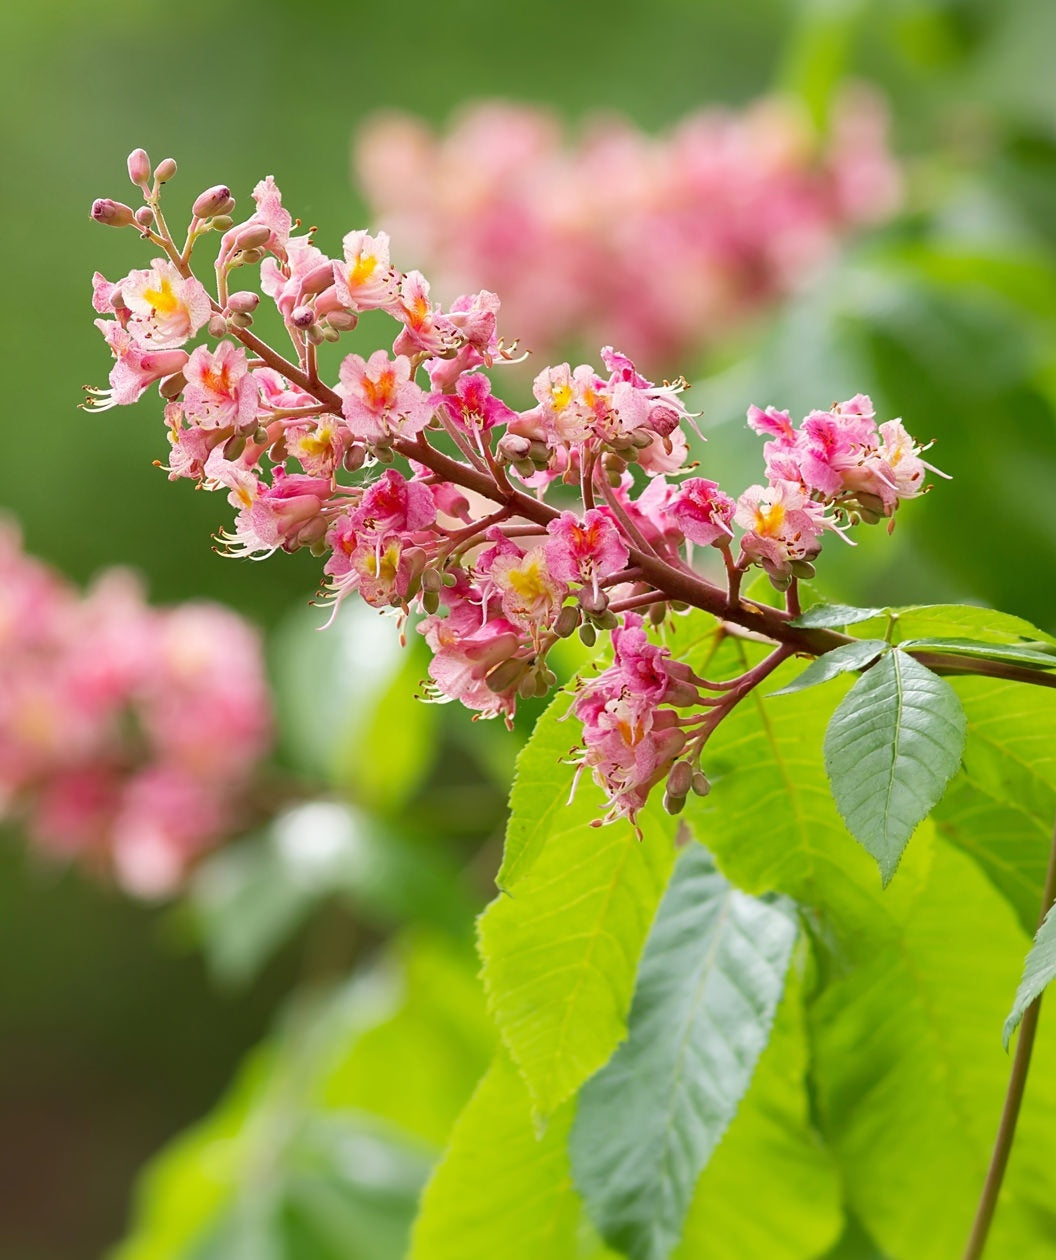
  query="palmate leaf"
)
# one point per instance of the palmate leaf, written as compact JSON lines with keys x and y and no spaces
{"x":1000,"y":808}
{"x":561,"y":943}
{"x":501,"y":1189}
{"x":893,"y":744}
{"x":771,"y":1191}
{"x":1038,"y":972}
{"x":841,"y":660}
{"x":711,"y":976}
{"x":1012,"y":653}
{"x":910,"y":1075}
{"x":833,"y":616}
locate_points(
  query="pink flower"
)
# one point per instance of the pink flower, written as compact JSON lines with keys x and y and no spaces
{"x":585,"y":549}
{"x":394,"y":504}
{"x":782,"y":525}
{"x":380,"y":399}
{"x":473,"y":408}
{"x":702,"y":511}
{"x":167,"y":308}
{"x":531,"y":595}
{"x":220,"y":391}
{"x":135,"y":370}
{"x":366,"y":280}
{"x":424,"y":328}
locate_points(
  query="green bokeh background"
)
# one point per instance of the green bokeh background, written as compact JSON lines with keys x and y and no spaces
{"x":112,"y":1036}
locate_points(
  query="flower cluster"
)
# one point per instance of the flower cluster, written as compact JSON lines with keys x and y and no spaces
{"x":128,"y":734}
{"x":658,"y":243}
{"x":498,"y":530}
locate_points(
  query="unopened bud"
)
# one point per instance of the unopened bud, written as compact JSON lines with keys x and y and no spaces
{"x":302,"y":317}
{"x":450,"y":579}
{"x":383,"y":454}
{"x":319,"y":278}
{"x":245,"y":302}
{"x":221,"y":222}
{"x":279,"y":452}
{"x":539,"y":453}
{"x":700,"y":784}
{"x":802,"y":569}
{"x":238,"y":320}
{"x":353,"y":458}
{"x":234,"y":446}
{"x":252,"y":237}
{"x":172,"y":386}
{"x":588,"y":634}
{"x":216,"y":200}
{"x":509,"y":674}
{"x":525,"y":467}
{"x":780,"y":581}
{"x":567,"y":621}
{"x":251,"y":256}
{"x":513,"y":447}
{"x":139,"y":168}
{"x":165,"y":170}
{"x":217,"y":326}
{"x":527,"y":688}
{"x":260,"y":436}
{"x":145,"y":216}
{"x":870,"y":518}
{"x":607,"y":620}
{"x":431,"y":580}
{"x":314,"y":334}
{"x":656,"y":614}
{"x":680,"y":778}
{"x":343,"y":321}
{"x":328,"y":333}
{"x":591,"y":601}
{"x":642,"y":438}
{"x":871,"y":502}
{"x":112,"y":213}
{"x":674,"y":804}
{"x":430,"y":601}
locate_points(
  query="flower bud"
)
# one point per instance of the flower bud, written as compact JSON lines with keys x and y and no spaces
{"x":215,"y":200}
{"x":513,"y":447}
{"x":642,"y":438}
{"x":567,"y":621}
{"x":221,"y":222}
{"x":588,"y":634}
{"x":656,"y":614}
{"x":165,"y":170}
{"x":430,"y":601}
{"x":252,"y":237}
{"x":354,"y":458}
{"x":591,"y":601}
{"x":145,"y":216}
{"x":449,"y":579}
{"x":234,"y":446}
{"x":302,"y":317}
{"x":172,"y":386}
{"x":606,"y":620}
{"x":525,"y":467}
{"x":244,"y":302}
{"x":802,"y":569}
{"x":139,"y":168}
{"x":700,"y":784}
{"x":509,"y":674}
{"x":431,"y":580}
{"x":342,"y":321}
{"x":674,"y":804}
{"x":217,"y":326}
{"x":112,"y":213}
{"x":539,"y":453}
{"x":319,"y":278}
{"x":238,"y":320}
{"x":680,"y":778}
{"x":314,"y":334}
{"x":251,"y":256}
{"x":328,"y":333}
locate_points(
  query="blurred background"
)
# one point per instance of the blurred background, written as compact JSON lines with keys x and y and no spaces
{"x":121,"y":1022}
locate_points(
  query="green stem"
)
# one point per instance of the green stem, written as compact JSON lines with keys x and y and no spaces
{"x":1006,"y":1130}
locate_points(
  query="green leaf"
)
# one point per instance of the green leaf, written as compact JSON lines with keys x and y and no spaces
{"x":711,"y":976}
{"x":951,"y":621}
{"x":1000,"y":808}
{"x":1038,"y":971}
{"x":1014,"y":653}
{"x":893,"y":744}
{"x":770,"y":820}
{"x":841,"y":660}
{"x":500,"y":1189}
{"x":832,"y":616}
{"x":910,"y":1077}
{"x":772,"y":1190}
{"x":560,"y":945}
